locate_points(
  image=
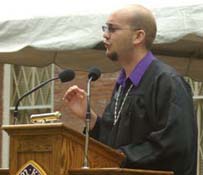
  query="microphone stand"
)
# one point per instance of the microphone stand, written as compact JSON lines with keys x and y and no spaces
{"x":64,"y":76}
{"x":87,"y":125}
{"x":15,"y":114}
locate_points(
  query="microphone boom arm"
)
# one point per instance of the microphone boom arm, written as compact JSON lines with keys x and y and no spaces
{"x":15,"y":114}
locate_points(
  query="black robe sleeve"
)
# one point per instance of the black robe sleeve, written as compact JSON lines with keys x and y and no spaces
{"x":94,"y":133}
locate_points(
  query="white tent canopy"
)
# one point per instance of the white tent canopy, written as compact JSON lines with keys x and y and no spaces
{"x":68,"y":33}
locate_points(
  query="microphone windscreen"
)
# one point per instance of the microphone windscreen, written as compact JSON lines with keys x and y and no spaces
{"x":94,"y":73}
{"x":66,"y":75}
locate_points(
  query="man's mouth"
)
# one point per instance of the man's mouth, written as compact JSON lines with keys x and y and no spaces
{"x":107,"y":45}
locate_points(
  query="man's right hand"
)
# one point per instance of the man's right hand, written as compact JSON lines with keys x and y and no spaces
{"x":76,"y":100}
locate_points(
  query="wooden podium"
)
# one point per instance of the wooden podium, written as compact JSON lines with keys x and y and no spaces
{"x":58,"y":149}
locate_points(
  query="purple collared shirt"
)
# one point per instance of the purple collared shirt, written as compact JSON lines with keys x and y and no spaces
{"x":138,"y":72}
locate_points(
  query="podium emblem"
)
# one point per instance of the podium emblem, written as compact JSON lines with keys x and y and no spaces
{"x":31,"y":168}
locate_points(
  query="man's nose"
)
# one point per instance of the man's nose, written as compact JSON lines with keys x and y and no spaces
{"x":106,"y":35}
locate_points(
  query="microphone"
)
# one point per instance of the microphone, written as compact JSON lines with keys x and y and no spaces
{"x":94,"y":74}
{"x":66,"y":75}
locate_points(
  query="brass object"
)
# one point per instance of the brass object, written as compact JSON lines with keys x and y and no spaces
{"x":46,"y":117}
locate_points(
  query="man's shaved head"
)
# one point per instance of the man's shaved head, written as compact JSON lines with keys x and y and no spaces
{"x":139,"y":17}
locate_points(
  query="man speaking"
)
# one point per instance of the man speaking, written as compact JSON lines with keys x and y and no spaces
{"x":150,"y":116}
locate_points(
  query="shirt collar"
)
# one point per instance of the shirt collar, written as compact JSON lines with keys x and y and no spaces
{"x":138,"y":72}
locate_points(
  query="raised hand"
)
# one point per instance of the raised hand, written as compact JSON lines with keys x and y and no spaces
{"x":76,"y":100}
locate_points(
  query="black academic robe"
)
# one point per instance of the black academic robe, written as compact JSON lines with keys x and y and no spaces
{"x":157,"y":127}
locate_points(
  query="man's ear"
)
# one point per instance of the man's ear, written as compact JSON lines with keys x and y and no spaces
{"x":139,"y":37}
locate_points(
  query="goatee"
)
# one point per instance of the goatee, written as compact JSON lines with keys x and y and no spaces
{"x":113,"y":56}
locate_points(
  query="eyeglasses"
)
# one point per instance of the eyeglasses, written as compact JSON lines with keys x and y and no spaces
{"x":110,"y":29}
